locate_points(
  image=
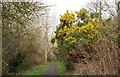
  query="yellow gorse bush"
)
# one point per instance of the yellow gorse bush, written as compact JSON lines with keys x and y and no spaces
{"x":71,"y":35}
{"x":76,"y":32}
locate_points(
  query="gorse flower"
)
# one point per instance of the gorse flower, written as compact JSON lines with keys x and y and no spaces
{"x":53,"y":39}
{"x":67,"y":17}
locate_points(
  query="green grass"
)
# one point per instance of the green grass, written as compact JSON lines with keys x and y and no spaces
{"x":61,"y":68}
{"x":40,"y":69}
{"x":37,"y":70}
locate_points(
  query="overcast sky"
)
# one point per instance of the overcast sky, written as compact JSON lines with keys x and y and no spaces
{"x":63,"y":5}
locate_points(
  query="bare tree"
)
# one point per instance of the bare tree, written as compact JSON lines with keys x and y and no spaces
{"x":104,"y":7}
{"x":96,"y":6}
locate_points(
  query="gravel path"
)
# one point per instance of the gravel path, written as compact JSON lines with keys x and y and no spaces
{"x":51,"y":70}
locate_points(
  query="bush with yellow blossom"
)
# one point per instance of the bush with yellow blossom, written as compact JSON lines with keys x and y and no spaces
{"x":76,"y":29}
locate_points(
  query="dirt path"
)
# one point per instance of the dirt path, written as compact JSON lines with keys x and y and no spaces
{"x":51,"y":70}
